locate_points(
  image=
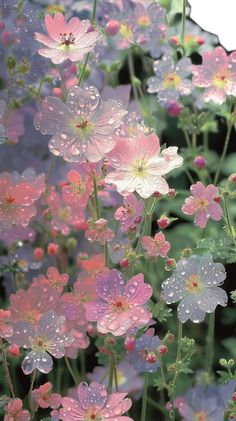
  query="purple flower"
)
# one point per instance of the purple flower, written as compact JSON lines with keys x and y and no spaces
{"x":171,"y":80}
{"x":144,"y":357}
{"x":47,"y":337}
{"x":131,"y":213}
{"x":83,"y":127}
{"x":195,"y":283}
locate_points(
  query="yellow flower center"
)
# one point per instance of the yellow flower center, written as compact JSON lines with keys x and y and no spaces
{"x":200,"y":416}
{"x":202,"y":203}
{"x":193,"y":284}
{"x":221,"y":79}
{"x":171,"y":80}
{"x":125,"y":31}
{"x":139,"y":168}
{"x":143,"y":21}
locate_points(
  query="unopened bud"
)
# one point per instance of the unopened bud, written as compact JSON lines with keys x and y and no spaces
{"x":130,"y":343}
{"x":52,"y":249}
{"x":163,"y":222}
{"x":14,"y":350}
{"x":112,"y":27}
{"x":124,"y":263}
{"x":38,"y":254}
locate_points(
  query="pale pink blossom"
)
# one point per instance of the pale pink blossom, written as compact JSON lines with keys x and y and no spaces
{"x":157,"y":246}
{"x":202,"y":204}
{"x":94,"y":403}
{"x":140,"y":165}
{"x":45,"y":398}
{"x":17,"y":197}
{"x":100,"y":232}
{"x":217,"y":74}
{"x":120,"y":306}
{"x":53,"y":278}
{"x":82,"y":127}
{"x":66,"y":40}
{"x":131,"y":213}
{"x":14,"y":411}
{"x":77,"y":190}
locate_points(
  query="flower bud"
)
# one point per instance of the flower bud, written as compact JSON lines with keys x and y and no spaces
{"x":234,"y":397}
{"x":14,"y":350}
{"x":112,"y":27}
{"x":124,"y":263}
{"x":170,"y":264}
{"x":151,"y":357}
{"x":90,"y":330}
{"x":200,"y":41}
{"x":163,"y":222}
{"x":130,"y":343}
{"x":162,"y":349}
{"x":232,"y":178}
{"x":174,"y":108}
{"x":186,"y":252}
{"x":200,"y":162}
{"x":38,"y":254}
{"x":52,"y":249}
{"x":223,"y":362}
{"x":172,"y":193}
{"x":138,"y":219}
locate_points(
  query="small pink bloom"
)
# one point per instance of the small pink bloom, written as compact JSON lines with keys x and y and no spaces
{"x":217,"y":74}
{"x":14,"y":350}
{"x":67,"y":40}
{"x":14,"y":411}
{"x":17,"y":197}
{"x":54,"y":279}
{"x":45,"y":398}
{"x":77,"y":191}
{"x":120,"y":306}
{"x":130,"y":213}
{"x":94,"y":403}
{"x":100,"y":233}
{"x":157,"y":246}
{"x":202,"y":204}
{"x":140,"y":165}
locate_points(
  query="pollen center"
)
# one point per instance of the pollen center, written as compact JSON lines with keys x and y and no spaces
{"x":193,"y":283}
{"x":171,"y":80}
{"x":200,"y":416}
{"x":67,"y":39}
{"x":139,"y":168}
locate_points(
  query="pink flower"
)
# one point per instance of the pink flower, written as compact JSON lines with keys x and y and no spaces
{"x":83,"y":127}
{"x":202,"y":204}
{"x":100,"y":233}
{"x":120,"y":306}
{"x":66,"y":41}
{"x":94,"y":403}
{"x":156,"y":246}
{"x":140,"y":165}
{"x":17,"y":197}
{"x":217,"y":74}
{"x":5,"y":327}
{"x":14,"y":411}
{"x":45,"y":398}
{"x":54,"y":279}
{"x":77,"y":191}
{"x":130,"y":213}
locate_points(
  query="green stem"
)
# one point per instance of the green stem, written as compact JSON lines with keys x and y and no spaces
{"x":157,"y":405}
{"x":106,"y":255}
{"x":205,"y":140}
{"x":110,"y":381}
{"x":144,"y":400}
{"x":230,"y":227}
{"x":95,"y":191}
{"x":6,"y":369}
{"x":180,"y":334}
{"x":32,"y":404}
{"x":132,"y":75}
{"x":82,"y":363}
{"x":178,"y":359}
{"x":226,"y":144}
{"x":194,"y":140}
{"x":183,"y":25}
{"x":187,"y":139}
{"x":50,"y":168}
{"x":210,"y":343}
{"x":73,"y":375}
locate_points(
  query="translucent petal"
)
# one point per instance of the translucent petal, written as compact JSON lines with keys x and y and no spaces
{"x":40,"y":360}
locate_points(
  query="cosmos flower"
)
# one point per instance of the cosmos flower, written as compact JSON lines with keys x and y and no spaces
{"x":94,"y":403}
{"x":17,"y":197}
{"x":140,"y":165}
{"x":202,"y":203}
{"x":47,"y":337}
{"x":131,"y":213}
{"x":83,"y":127}
{"x":45,"y":398}
{"x":157,"y":246}
{"x":120,"y":306}
{"x":195,"y":283}
{"x":171,"y":80}
{"x":217,"y":74}
{"x":14,"y":411}
{"x":66,"y":40}
{"x":144,"y":357}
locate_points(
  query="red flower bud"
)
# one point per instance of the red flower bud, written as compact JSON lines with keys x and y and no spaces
{"x":130,"y":343}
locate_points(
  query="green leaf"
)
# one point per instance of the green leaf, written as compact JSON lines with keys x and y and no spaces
{"x":221,"y":248}
{"x":229,"y":166}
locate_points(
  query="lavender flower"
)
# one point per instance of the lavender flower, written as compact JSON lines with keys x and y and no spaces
{"x":144,"y":356}
{"x":195,"y":283}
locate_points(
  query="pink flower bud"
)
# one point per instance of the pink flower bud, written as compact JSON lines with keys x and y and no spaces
{"x":52,"y":249}
{"x":38,"y":254}
{"x":234,"y":397}
{"x":200,"y":162}
{"x":163,"y":349}
{"x":130,"y":343}
{"x":90,"y":330}
{"x":124,"y":263}
{"x":151,"y":357}
{"x":57,"y":92}
{"x":174,"y":108}
{"x":163,"y":222}
{"x":217,"y":199}
{"x":232,"y":178}
{"x":174,"y":40}
{"x":172,"y":193}
{"x":112,"y":27}
{"x":200,"y":41}
{"x":14,"y":350}
{"x":170,"y":264}
{"x":138,"y":219}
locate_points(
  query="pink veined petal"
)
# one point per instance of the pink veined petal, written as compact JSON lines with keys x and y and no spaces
{"x":211,"y":192}
{"x":111,"y":285}
{"x":95,"y":310}
{"x":44,"y":39}
{"x":56,"y":25}
{"x":215,"y":94}
{"x":92,"y":396}
{"x":72,"y":410}
{"x":137,"y":291}
{"x":198,"y":189}
{"x":190,"y":206}
{"x":115,"y":323}
{"x":201,"y":219}
{"x":215,"y":211}
{"x":78,"y":27}
{"x":53,"y":116}
{"x":74,"y":177}
{"x":116,"y":405}
{"x":99,"y":145}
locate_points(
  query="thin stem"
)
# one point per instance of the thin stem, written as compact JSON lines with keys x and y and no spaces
{"x":82,"y":364}
{"x":110,"y":381}
{"x":31,"y":402}
{"x":144,"y":400}
{"x":157,"y":405}
{"x":6,"y":369}
{"x":230,"y":227}
{"x":187,"y":139}
{"x":50,"y":168}
{"x":226,"y":144}
{"x":132,"y":75}
{"x":95,"y":191}
{"x":73,"y":375}
{"x":106,"y":255}
{"x":178,"y":359}
{"x":183,"y":25}
{"x":194,"y":140}
{"x":210,"y":342}
{"x":180,"y":334}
